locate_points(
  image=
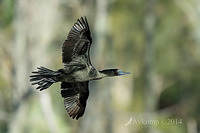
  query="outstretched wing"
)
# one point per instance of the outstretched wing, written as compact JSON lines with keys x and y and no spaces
{"x":75,"y":96}
{"x":75,"y":50}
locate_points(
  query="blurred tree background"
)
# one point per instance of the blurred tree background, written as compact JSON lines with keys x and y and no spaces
{"x":157,"y":41}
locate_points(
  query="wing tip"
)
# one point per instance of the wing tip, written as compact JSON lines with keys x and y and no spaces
{"x":83,"y":23}
{"x":75,"y":111}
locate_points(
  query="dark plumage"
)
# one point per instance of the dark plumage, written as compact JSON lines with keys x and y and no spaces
{"x":77,"y":71}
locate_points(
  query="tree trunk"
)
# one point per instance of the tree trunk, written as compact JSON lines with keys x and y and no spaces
{"x":33,"y":29}
{"x":150,"y":94}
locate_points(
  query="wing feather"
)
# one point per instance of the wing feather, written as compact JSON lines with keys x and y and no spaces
{"x":75,"y":96}
{"x":77,"y":44}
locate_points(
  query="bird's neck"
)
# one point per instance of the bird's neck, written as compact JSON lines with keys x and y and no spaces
{"x":106,"y":73}
{"x":102,"y":75}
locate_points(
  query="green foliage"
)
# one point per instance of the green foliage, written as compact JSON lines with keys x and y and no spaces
{"x":6,"y":12}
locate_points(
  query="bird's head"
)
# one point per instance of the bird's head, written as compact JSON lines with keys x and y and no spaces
{"x":113,"y":72}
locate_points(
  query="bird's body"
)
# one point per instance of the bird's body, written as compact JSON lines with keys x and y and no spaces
{"x":86,"y":74}
{"x":77,"y":71}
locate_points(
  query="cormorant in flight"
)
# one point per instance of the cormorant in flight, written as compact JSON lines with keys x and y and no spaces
{"x":77,"y":71}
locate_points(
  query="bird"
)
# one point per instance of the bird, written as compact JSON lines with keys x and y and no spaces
{"x":77,"y":72}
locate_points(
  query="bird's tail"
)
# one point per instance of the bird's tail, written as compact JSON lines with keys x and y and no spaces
{"x":44,"y":78}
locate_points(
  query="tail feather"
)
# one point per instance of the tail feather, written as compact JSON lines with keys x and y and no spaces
{"x":44,"y":78}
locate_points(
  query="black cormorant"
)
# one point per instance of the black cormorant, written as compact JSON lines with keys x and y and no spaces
{"x":77,"y":71}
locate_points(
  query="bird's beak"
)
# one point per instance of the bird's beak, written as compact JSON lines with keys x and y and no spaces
{"x":127,"y":73}
{"x":124,"y":73}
